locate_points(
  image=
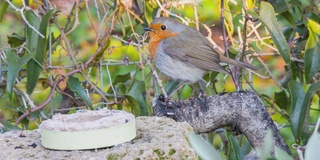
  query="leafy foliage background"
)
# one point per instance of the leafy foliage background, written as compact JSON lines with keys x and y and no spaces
{"x":94,"y":54}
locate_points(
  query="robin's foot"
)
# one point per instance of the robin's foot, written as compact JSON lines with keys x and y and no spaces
{"x":202,"y":94}
{"x":164,"y":107}
{"x":222,"y":93}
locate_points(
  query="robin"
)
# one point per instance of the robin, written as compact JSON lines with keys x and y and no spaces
{"x":183,"y":53}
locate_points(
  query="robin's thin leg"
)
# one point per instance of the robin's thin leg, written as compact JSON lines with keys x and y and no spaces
{"x":202,"y":99}
{"x":201,"y":89}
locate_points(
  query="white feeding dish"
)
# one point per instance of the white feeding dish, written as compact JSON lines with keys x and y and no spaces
{"x":88,"y":129}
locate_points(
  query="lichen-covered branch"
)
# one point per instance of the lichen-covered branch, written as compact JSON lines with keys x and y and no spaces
{"x":243,"y":111}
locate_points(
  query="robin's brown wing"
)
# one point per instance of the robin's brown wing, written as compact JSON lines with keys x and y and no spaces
{"x":192,"y":47}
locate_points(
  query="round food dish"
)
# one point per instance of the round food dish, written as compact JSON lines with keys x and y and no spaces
{"x":87,"y":129}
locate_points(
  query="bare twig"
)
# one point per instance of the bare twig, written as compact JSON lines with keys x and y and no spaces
{"x":269,"y":72}
{"x":76,"y":23}
{"x":168,"y":12}
{"x":89,"y":16}
{"x":225,"y":43}
{"x":131,"y":43}
{"x":36,"y":108}
{"x":260,"y":39}
{"x":97,"y":10}
{"x":23,"y":17}
{"x":215,"y":46}
{"x":299,"y":150}
{"x":111,"y":85}
{"x":141,"y":41}
{"x":69,"y":49}
{"x":41,"y":106}
{"x":196,"y":17}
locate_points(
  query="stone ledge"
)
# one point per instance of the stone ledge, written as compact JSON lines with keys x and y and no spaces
{"x":157,"y":138}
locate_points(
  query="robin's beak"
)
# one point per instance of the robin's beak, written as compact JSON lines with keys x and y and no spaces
{"x":148,"y":29}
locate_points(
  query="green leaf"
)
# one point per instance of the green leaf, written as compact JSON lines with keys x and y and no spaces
{"x":3,"y":8}
{"x":15,"y":64}
{"x":296,"y":116}
{"x":119,"y":79}
{"x":149,"y":11}
{"x":312,"y":148}
{"x":122,"y":78}
{"x":15,"y":40}
{"x":268,"y":18}
{"x":121,"y":88}
{"x":312,"y":50}
{"x":235,"y":148}
{"x":202,"y":147}
{"x":133,"y":105}
{"x":37,"y":46}
{"x":265,"y":152}
{"x":281,"y":99}
{"x":310,"y":93}
{"x":250,"y":3}
{"x":31,"y":35}
{"x":10,"y":127}
{"x":281,"y":154}
{"x":228,"y":18}
{"x":137,"y":90}
{"x":253,"y":13}
{"x":75,"y":86}
{"x":306,"y":106}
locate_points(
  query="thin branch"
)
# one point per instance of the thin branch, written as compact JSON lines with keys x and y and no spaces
{"x":76,"y":23}
{"x":233,"y":74}
{"x":23,"y":17}
{"x":97,"y":10}
{"x":36,"y":108}
{"x":269,"y":72}
{"x":168,"y":12}
{"x":196,"y":17}
{"x":89,"y":16}
{"x":101,"y":93}
{"x":111,"y":85}
{"x":215,"y":46}
{"x":69,"y":49}
{"x":260,"y":39}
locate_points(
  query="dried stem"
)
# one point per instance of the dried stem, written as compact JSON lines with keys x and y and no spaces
{"x":225,"y":43}
{"x":23,"y":17}
{"x":168,"y":12}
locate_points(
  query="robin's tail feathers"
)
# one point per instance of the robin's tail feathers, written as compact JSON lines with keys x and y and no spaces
{"x":238,"y":63}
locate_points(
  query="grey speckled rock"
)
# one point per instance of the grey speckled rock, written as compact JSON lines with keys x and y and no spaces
{"x":157,"y":138}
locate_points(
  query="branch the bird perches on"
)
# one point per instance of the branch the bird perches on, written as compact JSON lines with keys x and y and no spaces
{"x":243,"y":111}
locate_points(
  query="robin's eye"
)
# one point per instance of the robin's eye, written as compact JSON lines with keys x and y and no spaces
{"x":163,"y":27}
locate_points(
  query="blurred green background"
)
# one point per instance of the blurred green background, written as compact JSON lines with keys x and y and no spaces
{"x":121,"y":71}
